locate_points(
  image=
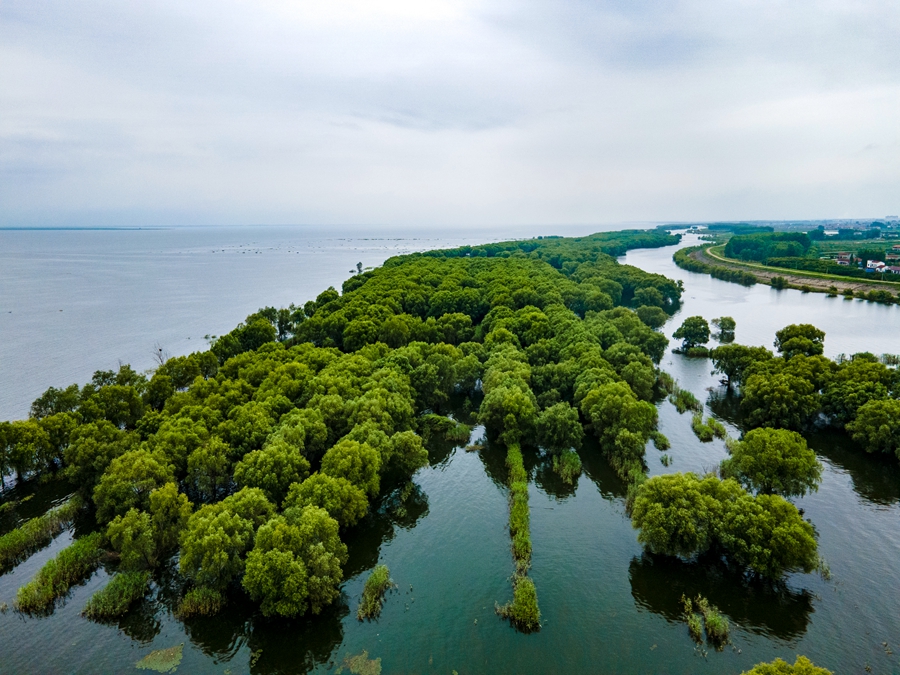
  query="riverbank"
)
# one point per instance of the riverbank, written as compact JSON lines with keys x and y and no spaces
{"x":814,"y":282}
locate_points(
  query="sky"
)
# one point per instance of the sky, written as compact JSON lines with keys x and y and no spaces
{"x":432,"y":113}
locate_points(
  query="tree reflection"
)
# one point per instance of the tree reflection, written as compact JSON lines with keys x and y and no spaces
{"x":770,"y":609}
{"x":549,"y":481}
{"x":875,"y":478}
{"x":596,"y":467}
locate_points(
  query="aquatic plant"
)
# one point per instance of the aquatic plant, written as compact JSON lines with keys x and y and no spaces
{"x":114,"y":599}
{"x":568,"y":465}
{"x":523,"y":612}
{"x":33,"y":535}
{"x":360,"y":664}
{"x":715,"y":623}
{"x":377,"y":585}
{"x":162,"y":660}
{"x":683,"y":400}
{"x":72,"y":565}
{"x":200,"y":601}
{"x":702,"y":431}
{"x":802,"y":666}
{"x":659,"y":440}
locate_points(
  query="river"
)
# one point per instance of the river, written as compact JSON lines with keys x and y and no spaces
{"x":607,"y":607}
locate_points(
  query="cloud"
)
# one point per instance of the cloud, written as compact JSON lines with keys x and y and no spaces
{"x":441,"y":113}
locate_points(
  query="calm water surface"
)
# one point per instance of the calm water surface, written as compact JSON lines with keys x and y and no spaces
{"x":607,"y":607}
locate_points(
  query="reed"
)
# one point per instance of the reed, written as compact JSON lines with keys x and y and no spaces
{"x":568,"y":465}
{"x":72,"y":565}
{"x":33,"y":535}
{"x":114,"y":599}
{"x":377,"y":585}
{"x":523,"y":612}
{"x":200,"y":601}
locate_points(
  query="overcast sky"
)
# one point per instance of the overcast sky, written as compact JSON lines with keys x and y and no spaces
{"x":447,"y":113}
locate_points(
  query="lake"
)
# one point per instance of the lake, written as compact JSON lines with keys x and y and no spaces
{"x":607,"y":607}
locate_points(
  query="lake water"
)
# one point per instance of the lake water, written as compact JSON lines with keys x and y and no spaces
{"x":607,"y":607}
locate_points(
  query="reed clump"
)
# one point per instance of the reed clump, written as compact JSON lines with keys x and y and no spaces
{"x":713,"y":621}
{"x":568,"y":465}
{"x":683,"y":400}
{"x":114,"y":599}
{"x":378,"y":583}
{"x":72,"y":565}
{"x":523,"y":612}
{"x":200,"y":601}
{"x":33,"y":535}
{"x":706,"y":431}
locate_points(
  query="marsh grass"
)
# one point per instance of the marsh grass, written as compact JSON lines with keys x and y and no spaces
{"x":33,"y":535}
{"x":718,"y":429}
{"x":114,"y":599}
{"x":523,"y":612}
{"x":378,"y":583}
{"x":683,"y":400}
{"x":200,"y":601}
{"x":567,"y":465}
{"x":72,"y":565}
{"x":714,"y":621}
{"x":701,"y":430}
{"x":162,"y":660}
{"x":659,"y":440}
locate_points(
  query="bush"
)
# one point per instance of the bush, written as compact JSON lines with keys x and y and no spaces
{"x":779,"y":283}
{"x":72,"y":565}
{"x":684,"y":400}
{"x":200,"y":601}
{"x":703,"y":431}
{"x":377,"y":584}
{"x":114,"y":599}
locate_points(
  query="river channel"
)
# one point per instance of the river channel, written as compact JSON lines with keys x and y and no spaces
{"x":606,"y":606}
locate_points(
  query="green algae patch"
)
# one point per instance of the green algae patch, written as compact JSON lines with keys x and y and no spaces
{"x":162,"y":660}
{"x":361,"y":664}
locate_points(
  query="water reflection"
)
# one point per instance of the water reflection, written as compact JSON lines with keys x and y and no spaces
{"x":766,"y":608}
{"x":596,"y":467}
{"x":875,"y":478}
{"x":549,"y":481}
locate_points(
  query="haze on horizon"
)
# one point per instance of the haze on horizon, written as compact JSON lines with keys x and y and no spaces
{"x":432,"y":112}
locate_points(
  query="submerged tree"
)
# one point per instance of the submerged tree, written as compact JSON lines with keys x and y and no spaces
{"x":693,"y":332}
{"x":774,"y":461}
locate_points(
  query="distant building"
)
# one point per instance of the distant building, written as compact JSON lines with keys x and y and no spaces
{"x":843,"y":262}
{"x":844,"y":255}
{"x":893,"y":269}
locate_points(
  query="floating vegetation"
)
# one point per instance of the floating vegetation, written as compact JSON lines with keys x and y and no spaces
{"x":35,"y":534}
{"x":377,"y":585}
{"x":200,"y":601}
{"x":683,"y":400}
{"x":713,"y":621}
{"x":568,"y":465}
{"x":162,"y":660}
{"x":361,"y":664}
{"x":114,"y":599}
{"x":72,"y":565}
{"x":523,"y":612}
{"x":665,"y":460}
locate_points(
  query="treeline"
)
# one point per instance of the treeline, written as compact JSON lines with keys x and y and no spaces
{"x":251,"y":460}
{"x":761,"y":247}
{"x":801,"y":387}
{"x":684,"y":260}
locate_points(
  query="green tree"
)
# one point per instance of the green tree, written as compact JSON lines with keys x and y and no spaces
{"x":296,"y":563}
{"x":877,"y":426}
{"x":91,"y":448}
{"x":272,"y":469}
{"x":127,"y":483}
{"x":780,"y":400}
{"x":653,"y":316}
{"x":218,"y":537}
{"x":359,"y":463}
{"x":509,"y":411}
{"x":131,"y":535}
{"x":774,"y":461}
{"x":170,"y":511}
{"x":693,"y":332}
{"x":802,"y":339}
{"x":343,"y":501}
{"x":209,"y":470}
{"x":558,"y":428}
{"x":408,"y":454}
{"x":677,"y":514}
{"x":733,"y":360}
